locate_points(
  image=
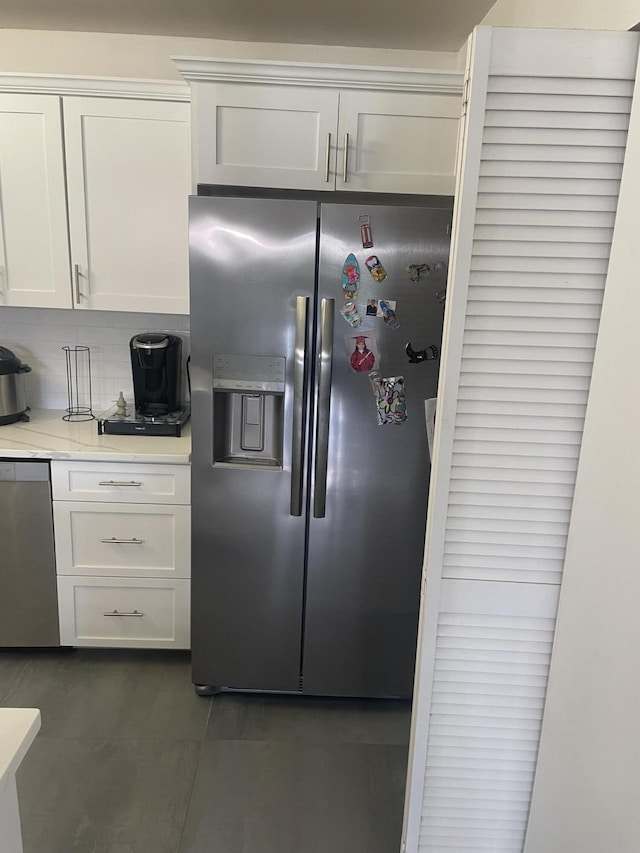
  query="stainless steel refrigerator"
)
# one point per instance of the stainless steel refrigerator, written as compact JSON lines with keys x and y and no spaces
{"x":308,"y":514}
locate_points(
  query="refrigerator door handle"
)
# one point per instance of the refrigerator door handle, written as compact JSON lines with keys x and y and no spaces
{"x":323,"y":402}
{"x":297,"y":437}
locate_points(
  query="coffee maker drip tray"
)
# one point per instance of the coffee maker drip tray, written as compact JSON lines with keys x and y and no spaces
{"x":112,"y":422}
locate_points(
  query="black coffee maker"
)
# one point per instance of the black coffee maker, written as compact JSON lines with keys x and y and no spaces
{"x":156,"y":362}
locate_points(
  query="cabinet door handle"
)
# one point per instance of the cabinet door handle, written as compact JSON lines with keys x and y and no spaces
{"x":326,"y":165}
{"x":345,"y":173}
{"x":118,"y":483}
{"x":114,"y":541}
{"x":119,"y":613}
{"x":76,"y":278}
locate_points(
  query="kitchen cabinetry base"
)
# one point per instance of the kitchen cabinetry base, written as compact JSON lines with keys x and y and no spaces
{"x":123,"y":554}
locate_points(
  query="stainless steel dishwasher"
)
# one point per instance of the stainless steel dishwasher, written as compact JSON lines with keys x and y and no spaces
{"x":28,"y":592}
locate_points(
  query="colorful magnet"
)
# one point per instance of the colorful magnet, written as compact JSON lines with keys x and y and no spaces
{"x":378,"y":272}
{"x":377,"y":386}
{"x":372,"y":308}
{"x":365,"y":231}
{"x":387,"y":310}
{"x":350,"y":313}
{"x":362,"y":352}
{"x":350,"y":277}
{"x":418,"y":271}
{"x":391,"y":400}
{"x":415,"y":357}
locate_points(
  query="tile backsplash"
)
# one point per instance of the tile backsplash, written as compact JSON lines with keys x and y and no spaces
{"x":37,"y":336}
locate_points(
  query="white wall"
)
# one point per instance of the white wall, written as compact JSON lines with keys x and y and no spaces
{"x":37,"y":336}
{"x":149,"y":57}
{"x":571,"y":14}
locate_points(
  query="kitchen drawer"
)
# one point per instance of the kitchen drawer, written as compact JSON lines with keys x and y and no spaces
{"x":125,"y":612}
{"x":121,"y":482}
{"x":135,"y":540}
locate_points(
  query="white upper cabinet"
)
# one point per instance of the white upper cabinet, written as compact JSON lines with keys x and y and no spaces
{"x":94,"y":202}
{"x":34,"y":246}
{"x":128,"y":181}
{"x":259,"y":136}
{"x":397,"y":142}
{"x":323,"y":127}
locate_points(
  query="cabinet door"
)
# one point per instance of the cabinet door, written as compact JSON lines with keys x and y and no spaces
{"x":128,"y":181}
{"x":397,"y":142}
{"x":125,"y":482}
{"x":124,"y":612}
{"x":137,"y":540}
{"x":265,"y":136}
{"x":34,"y":253}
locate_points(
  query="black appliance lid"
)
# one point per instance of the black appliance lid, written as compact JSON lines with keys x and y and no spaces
{"x":10,"y":363}
{"x":150,"y":340}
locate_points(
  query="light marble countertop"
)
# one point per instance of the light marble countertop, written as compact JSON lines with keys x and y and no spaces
{"x":47,"y":436}
{"x":18,"y":728}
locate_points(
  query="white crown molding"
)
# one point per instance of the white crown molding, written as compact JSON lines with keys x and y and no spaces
{"x":197,"y":69}
{"x":161,"y":90}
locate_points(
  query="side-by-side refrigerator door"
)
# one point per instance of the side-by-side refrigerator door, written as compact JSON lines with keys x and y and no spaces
{"x":369,"y":495}
{"x":252,"y":283}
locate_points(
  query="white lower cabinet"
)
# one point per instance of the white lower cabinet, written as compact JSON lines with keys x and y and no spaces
{"x":121,"y":482}
{"x":123,"y":566}
{"x":133,"y":612}
{"x":142,"y":540}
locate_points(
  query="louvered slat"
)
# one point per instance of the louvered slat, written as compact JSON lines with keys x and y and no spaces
{"x":530,"y":118}
{"x":560,"y":154}
{"x":510,"y":200}
{"x":576,"y":87}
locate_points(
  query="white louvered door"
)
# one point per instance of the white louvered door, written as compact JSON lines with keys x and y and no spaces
{"x":490,"y":677}
{"x":540,"y":164}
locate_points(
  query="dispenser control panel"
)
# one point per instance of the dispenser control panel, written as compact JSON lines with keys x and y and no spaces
{"x":262,"y":374}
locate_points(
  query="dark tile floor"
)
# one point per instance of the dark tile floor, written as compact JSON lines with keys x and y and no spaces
{"x":130,"y":760}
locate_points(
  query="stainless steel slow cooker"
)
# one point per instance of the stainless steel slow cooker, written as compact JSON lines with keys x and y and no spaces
{"x":13,"y":406}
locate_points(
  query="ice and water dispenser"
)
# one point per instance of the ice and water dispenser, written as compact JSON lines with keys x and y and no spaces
{"x":248,"y":410}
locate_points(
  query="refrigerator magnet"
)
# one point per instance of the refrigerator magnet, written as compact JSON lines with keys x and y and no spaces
{"x":351,"y":314}
{"x":418,"y":271}
{"x":430,"y":353}
{"x":372,"y":308}
{"x":391,"y":400}
{"x":365,"y":231}
{"x":378,"y":272}
{"x":362,"y":352}
{"x":387,"y":310}
{"x":350,"y":277}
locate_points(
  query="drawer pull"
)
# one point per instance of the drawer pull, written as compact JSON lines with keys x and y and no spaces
{"x":114,"y":541}
{"x":118,"y":613}
{"x":118,"y":483}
